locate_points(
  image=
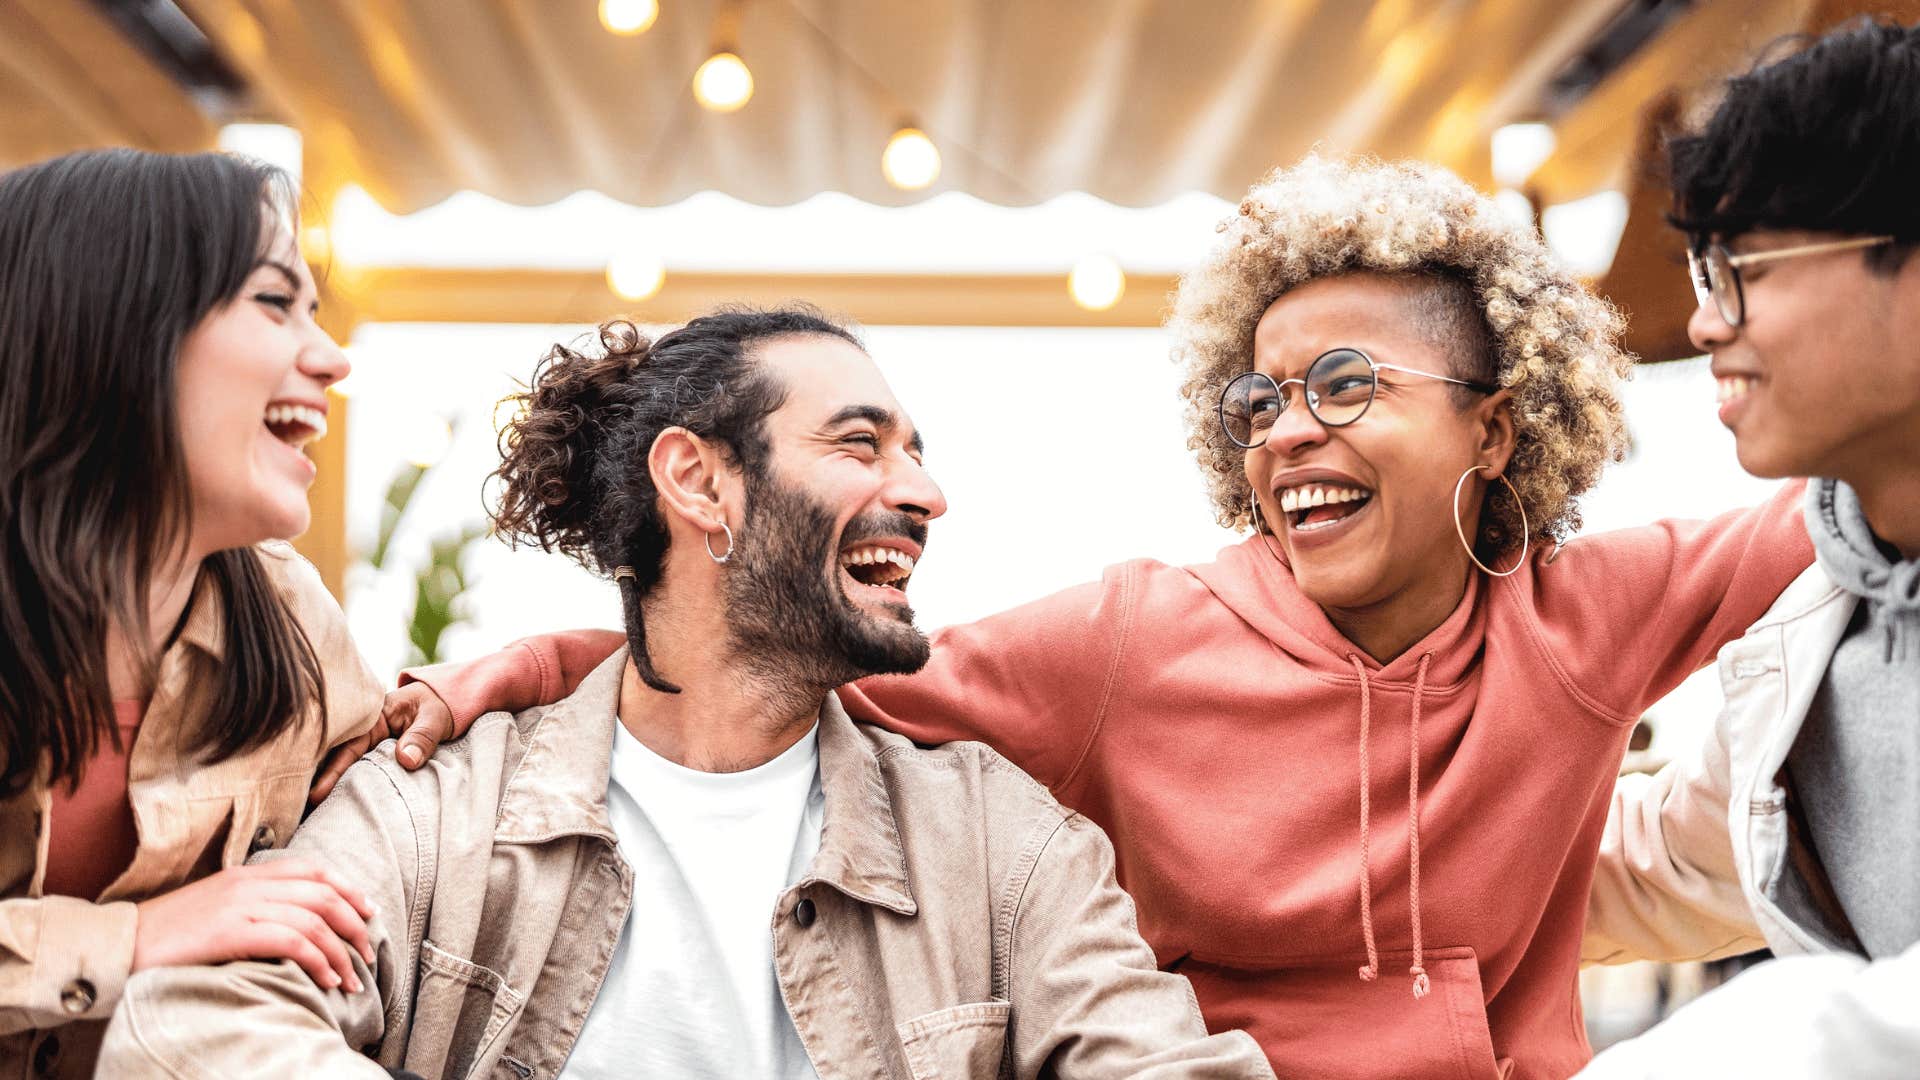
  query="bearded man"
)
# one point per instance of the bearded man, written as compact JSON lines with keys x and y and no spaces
{"x":696,"y":864}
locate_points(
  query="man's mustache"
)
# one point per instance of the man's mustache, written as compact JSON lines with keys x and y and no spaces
{"x":884,"y":524}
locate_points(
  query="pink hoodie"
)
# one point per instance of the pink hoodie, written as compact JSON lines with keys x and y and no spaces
{"x":1252,"y":769}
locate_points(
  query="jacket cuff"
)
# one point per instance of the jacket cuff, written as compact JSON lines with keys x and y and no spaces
{"x":83,"y":959}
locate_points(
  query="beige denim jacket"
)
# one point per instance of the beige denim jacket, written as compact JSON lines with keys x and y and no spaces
{"x":957,"y":922}
{"x":63,"y":961}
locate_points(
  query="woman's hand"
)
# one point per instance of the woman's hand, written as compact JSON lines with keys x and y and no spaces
{"x":287,"y":909}
{"x":414,"y":714}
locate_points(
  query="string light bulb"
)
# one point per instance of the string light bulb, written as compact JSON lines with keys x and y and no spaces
{"x":723,"y":82}
{"x":1096,"y":283}
{"x":911,"y":161}
{"x":635,"y":276}
{"x":628,"y":17}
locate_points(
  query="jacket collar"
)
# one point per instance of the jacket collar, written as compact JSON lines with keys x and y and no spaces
{"x":860,"y":850}
{"x":560,"y":788}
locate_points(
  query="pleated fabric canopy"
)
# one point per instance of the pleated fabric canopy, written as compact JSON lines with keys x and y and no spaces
{"x":1134,"y":101}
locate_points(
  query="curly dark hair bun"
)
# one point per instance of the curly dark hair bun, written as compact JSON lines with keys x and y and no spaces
{"x":549,"y":452}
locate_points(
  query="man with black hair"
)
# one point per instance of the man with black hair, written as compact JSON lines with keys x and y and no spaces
{"x":1796,"y":824}
{"x":696,"y":865}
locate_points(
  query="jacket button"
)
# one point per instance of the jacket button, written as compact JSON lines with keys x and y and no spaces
{"x":78,"y":996}
{"x":47,"y":1055}
{"x":803,"y":912}
{"x":263,"y":839}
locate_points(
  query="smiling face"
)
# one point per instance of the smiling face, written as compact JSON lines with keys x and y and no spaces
{"x":1822,"y":377}
{"x":835,"y":524}
{"x":1362,"y":512}
{"x":252,"y":391}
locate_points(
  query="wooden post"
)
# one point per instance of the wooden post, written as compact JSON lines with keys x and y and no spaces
{"x":325,"y":541}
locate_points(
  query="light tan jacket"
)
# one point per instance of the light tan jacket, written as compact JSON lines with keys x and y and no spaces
{"x":1705,"y":859}
{"x":63,"y":961}
{"x":957,"y":922}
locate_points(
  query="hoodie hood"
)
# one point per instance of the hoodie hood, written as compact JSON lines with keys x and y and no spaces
{"x":1858,"y":562}
{"x":1253,"y":580}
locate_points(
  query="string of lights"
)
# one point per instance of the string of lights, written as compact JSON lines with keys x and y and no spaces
{"x":911,"y":161}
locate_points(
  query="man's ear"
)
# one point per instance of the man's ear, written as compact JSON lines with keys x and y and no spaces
{"x":691,"y":476}
{"x":1497,"y":432}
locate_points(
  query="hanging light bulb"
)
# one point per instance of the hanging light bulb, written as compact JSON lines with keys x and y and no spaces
{"x":1096,"y":283}
{"x":633,"y":275}
{"x":723,"y":83}
{"x":911,"y":161}
{"x":628,"y":17}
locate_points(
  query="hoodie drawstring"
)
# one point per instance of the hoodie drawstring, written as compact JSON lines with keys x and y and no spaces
{"x":1371,"y":970}
{"x":1419,"y":970}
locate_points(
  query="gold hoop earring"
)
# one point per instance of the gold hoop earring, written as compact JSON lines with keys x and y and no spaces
{"x":1526,"y":534}
{"x":728,"y":554}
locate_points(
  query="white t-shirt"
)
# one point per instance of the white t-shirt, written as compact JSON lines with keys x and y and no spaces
{"x":691,"y":990}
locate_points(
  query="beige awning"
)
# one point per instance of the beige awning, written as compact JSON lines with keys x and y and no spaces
{"x":530,"y":100}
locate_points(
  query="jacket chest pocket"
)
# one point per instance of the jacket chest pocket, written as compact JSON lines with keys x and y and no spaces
{"x":965,"y":1041}
{"x":460,"y":1012}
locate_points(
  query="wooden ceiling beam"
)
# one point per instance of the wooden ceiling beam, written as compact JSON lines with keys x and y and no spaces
{"x":68,"y":88}
{"x":582,"y":296}
{"x":145,"y":103}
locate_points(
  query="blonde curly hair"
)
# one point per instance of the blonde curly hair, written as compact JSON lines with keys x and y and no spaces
{"x":1556,"y":345}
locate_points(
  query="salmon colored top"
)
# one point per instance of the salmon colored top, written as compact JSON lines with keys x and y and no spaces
{"x":92,"y":835}
{"x":1210,"y":718}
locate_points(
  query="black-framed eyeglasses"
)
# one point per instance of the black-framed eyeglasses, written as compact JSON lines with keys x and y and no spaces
{"x":1339,"y":386}
{"x":1716,"y":271}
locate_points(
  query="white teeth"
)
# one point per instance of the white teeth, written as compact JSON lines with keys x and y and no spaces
{"x":866,"y":556}
{"x":1307,"y":496}
{"x":312,"y":422}
{"x":1733,"y":386}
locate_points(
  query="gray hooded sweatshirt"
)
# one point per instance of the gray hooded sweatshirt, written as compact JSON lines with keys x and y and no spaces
{"x":1856,"y":765}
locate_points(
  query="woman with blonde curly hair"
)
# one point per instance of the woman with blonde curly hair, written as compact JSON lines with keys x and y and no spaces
{"x":1356,"y":769}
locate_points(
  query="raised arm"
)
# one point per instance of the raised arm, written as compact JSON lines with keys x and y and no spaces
{"x":1665,"y":887}
{"x":1032,"y":682}
{"x":537,"y":670}
{"x":270,"y":1019}
{"x":1087,"y":998}
{"x":437,"y":703}
{"x":1628,"y":615}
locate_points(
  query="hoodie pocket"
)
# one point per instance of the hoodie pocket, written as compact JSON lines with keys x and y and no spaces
{"x":1316,"y":1017}
{"x":964,"y":1041}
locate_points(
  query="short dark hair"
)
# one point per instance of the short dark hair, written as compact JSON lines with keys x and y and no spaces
{"x":573,"y":464}
{"x":1826,"y":139}
{"x":108,"y":258}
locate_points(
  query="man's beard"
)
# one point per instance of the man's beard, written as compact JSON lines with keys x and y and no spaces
{"x":789,"y":617}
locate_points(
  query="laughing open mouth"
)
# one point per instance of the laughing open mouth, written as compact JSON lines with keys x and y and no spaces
{"x":1316,"y":506}
{"x":878,"y":566}
{"x":295,"y":425}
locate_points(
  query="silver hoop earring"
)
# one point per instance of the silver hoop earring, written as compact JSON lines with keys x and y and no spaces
{"x":728,"y":554}
{"x":1253,"y":501}
{"x":1526,"y":534}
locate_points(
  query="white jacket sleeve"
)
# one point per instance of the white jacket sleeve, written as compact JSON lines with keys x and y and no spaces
{"x":1666,"y":886}
{"x":1801,"y":1017}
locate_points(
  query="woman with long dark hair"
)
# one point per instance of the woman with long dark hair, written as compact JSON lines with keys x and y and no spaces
{"x":171,"y":672}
